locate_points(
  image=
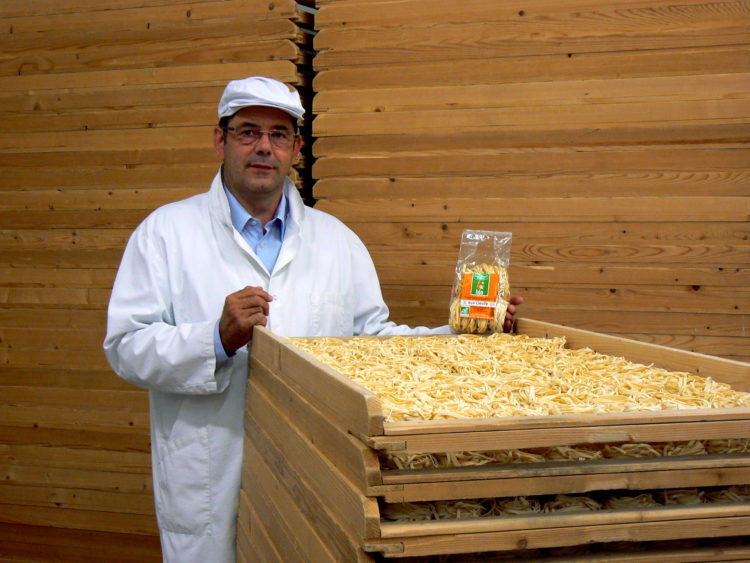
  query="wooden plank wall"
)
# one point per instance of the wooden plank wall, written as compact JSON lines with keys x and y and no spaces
{"x":610,"y":136}
{"x":107,"y":109}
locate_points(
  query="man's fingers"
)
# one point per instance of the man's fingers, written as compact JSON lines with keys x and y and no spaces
{"x":243,"y":310}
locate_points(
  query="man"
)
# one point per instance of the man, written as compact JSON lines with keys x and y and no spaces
{"x":196,"y":277}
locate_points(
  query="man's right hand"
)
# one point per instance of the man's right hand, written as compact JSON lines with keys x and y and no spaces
{"x":242,"y":311}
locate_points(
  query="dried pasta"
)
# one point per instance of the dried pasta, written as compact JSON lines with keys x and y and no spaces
{"x":580,"y":452}
{"x":461,"y":322}
{"x":523,"y":505}
{"x":470,"y":376}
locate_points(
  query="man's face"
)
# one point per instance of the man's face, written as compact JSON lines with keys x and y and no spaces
{"x":256,"y":171}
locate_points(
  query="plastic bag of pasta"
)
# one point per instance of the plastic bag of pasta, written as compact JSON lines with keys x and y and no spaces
{"x":481,"y":290}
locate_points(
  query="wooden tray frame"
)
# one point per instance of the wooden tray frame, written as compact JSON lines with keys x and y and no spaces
{"x":313,"y":440}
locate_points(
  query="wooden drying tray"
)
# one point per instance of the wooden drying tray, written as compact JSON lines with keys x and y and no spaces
{"x":360,"y":410}
{"x":340,"y":425}
{"x":560,"y":530}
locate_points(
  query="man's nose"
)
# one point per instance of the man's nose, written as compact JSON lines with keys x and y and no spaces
{"x":264,"y":143}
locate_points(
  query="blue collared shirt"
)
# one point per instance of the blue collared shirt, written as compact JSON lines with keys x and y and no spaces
{"x":266,"y":244}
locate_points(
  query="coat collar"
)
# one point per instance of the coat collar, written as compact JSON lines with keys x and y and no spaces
{"x":219,"y":205}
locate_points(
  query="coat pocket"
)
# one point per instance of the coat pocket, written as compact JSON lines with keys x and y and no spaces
{"x":329,"y":316}
{"x":183,"y":499}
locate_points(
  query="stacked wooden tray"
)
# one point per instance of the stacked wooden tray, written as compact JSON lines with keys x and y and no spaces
{"x":313,"y":483}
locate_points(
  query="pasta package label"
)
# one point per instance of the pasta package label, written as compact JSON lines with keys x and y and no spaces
{"x":479,"y":295}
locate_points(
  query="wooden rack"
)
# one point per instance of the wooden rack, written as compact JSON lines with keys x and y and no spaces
{"x":313,"y":480}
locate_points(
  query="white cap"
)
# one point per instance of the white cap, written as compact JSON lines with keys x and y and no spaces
{"x":259,"y":91}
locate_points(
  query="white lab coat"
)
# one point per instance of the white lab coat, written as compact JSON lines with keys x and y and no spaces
{"x":177,"y":269}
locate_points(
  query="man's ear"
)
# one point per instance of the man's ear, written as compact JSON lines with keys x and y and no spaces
{"x":297,"y":148}
{"x":219,"y":142}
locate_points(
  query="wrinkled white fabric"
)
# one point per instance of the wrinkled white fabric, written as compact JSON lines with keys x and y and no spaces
{"x":177,"y":269}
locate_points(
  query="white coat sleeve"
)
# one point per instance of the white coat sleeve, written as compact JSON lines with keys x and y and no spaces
{"x":144,"y":345}
{"x":371,"y":312}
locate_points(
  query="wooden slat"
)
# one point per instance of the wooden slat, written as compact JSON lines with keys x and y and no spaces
{"x":285,"y":71}
{"x":51,"y":277}
{"x":42,"y":544}
{"x":79,"y":499}
{"x":614,"y":183}
{"x":565,"y":521}
{"x":253,"y":542}
{"x":422,"y":237}
{"x":106,"y":218}
{"x":13,"y":239}
{"x":18,"y":395}
{"x":350,"y":456}
{"x":612,"y":135}
{"x":669,"y":323}
{"x":75,"y":438}
{"x":296,"y":538}
{"x":451,"y":474}
{"x":549,"y":116}
{"x":50,"y":296}
{"x":597,"y":30}
{"x":79,"y":458}
{"x":417,"y":267}
{"x":532,"y":539}
{"x":620,"y":420}
{"x":559,"y":161}
{"x":42,"y":7}
{"x":99,"y":54}
{"x":71,"y":318}
{"x":713,"y":346}
{"x":660,"y":324}
{"x":355,"y":13}
{"x":141,"y":32}
{"x":301,"y":490}
{"x":78,"y":17}
{"x":509,"y":439}
{"x":484,"y":70}
{"x":638,"y":480}
{"x":115,"y":420}
{"x":119,"y":121}
{"x":276,"y":526}
{"x":645,"y":299}
{"x":636,"y":209}
{"x":78,"y":519}
{"x":57,"y":184}
{"x":355,"y":513}
{"x":536,"y":262}
{"x":538,"y":95}
{"x":342,"y":401}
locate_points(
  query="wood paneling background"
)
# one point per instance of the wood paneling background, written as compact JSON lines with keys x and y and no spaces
{"x":108,"y":109}
{"x":610,"y":137}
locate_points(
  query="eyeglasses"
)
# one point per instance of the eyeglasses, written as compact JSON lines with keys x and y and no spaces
{"x":250,"y":135}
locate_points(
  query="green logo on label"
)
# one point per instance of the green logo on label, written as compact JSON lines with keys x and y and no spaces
{"x":480,"y":284}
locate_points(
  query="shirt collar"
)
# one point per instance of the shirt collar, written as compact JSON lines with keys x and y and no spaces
{"x":240,"y":216}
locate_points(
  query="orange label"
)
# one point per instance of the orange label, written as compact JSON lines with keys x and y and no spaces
{"x":479,"y":295}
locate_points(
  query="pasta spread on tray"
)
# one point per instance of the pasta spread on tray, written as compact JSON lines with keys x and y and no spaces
{"x":517,"y":506}
{"x":469,"y":376}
